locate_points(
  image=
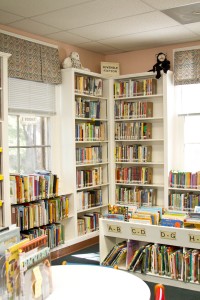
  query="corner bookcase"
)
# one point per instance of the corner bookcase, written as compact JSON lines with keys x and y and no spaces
{"x":140,"y":105}
{"x":5,"y":215}
{"x":84,"y":150}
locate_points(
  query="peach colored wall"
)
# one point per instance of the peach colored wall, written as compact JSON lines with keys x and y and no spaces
{"x":143,"y":60}
{"x":130,"y":62}
{"x":88,"y":59}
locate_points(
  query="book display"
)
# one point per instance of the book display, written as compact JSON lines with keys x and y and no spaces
{"x":26,"y":272}
{"x":84,"y":134}
{"x":8,"y":237}
{"x":134,"y":247}
{"x":4,"y":166}
{"x":36,"y":207}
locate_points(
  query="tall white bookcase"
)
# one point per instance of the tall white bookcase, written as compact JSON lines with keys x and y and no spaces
{"x":5,"y":209}
{"x":85,"y":148}
{"x":131,"y":142}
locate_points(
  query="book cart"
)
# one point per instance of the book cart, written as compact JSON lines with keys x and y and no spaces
{"x":85,"y":150}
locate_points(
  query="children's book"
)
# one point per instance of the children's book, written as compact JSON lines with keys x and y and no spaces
{"x":8,"y":237}
{"x":12,"y":269}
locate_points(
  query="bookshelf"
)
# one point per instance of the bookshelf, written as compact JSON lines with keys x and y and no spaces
{"x":113,"y":232}
{"x":36,"y":207}
{"x":5,"y":216}
{"x":184,"y":190}
{"x":142,"y":123}
{"x":85,"y":149}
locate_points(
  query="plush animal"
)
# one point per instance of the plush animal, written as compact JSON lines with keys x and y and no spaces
{"x":72,"y":61}
{"x":162,"y":65}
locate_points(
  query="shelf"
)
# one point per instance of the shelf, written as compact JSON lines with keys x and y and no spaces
{"x":92,"y":208}
{"x":138,"y":97}
{"x":152,"y":119}
{"x":90,"y":96}
{"x":184,"y":189}
{"x":155,"y":185}
{"x":89,"y":142}
{"x":92,"y":187}
{"x":91,"y":164}
{"x":91,"y":119}
{"x":181,"y":237}
{"x":142,"y":141}
{"x":151,"y":163}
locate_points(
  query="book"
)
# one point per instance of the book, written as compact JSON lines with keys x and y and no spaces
{"x":112,"y":254}
{"x":113,"y":216}
{"x":12,"y":268}
{"x":132,"y":246}
{"x":8,"y":237}
{"x":136,"y":258}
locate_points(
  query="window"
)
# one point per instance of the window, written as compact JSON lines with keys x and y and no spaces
{"x":29,"y":144}
{"x":188,"y":100}
{"x":31,"y":105}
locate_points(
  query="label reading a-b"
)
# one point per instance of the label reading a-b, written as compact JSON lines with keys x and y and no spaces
{"x":114,"y":228}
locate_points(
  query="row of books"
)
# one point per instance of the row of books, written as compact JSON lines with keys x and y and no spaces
{"x":89,"y":199}
{"x":88,"y":223}
{"x":88,"y":85}
{"x":86,"y":108}
{"x":28,"y":270}
{"x":134,"y":214}
{"x":136,"y":196}
{"x":133,"y":153}
{"x":133,"y":131}
{"x":173,"y":262}
{"x":181,"y":179}
{"x":130,"y":87}
{"x":92,"y":154}
{"x":54,"y":233}
{"x":90,"y":177}
{"x":31,"y":187}
{"x":40,"y":213}
{"x":133,"y":110}
{"x":91,"y":131}
{"x":153,"y":215}
{"x":183,"y":201}
{"x":136,"y":174}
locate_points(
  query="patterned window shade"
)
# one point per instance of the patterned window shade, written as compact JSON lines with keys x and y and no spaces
{"x":50,"y":65}
{"x":187,"y":67}
{"x":31,"y":61}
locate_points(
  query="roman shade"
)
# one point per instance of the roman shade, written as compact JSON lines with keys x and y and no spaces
{"x":30,"y":60}
{"x":187,"y":67}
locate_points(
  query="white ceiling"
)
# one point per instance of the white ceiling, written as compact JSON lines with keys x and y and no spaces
{"x":103,"y":26}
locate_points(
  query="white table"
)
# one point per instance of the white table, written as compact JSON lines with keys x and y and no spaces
{"x":87,"y":282}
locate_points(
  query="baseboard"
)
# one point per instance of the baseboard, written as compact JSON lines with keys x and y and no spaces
{"x":73,"y":248}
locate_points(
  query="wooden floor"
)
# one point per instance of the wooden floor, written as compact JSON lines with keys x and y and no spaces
{"x":74,"y":248}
